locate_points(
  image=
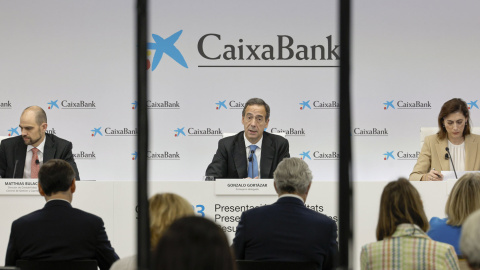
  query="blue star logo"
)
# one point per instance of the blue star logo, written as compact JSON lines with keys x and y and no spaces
{"x":135,"y":104}
{"x":221,"y":104}
{"x":96,"y":131}
{"x":166,"y":46}
{"x":13,"y":131}
{"x":135,"y":154}
{"x":305,"y":155}
{"x":389,"y":155}
{"x":388,"y":104}
{"x":53,"y":104}
{"x":473,"y":104}
{"x":305,"y":104}
{"x":179,"y":131}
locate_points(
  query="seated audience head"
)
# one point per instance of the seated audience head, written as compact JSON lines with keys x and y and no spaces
{"x":56,"y":179}
{"x":193,"y":243}
{"x":470,"y":240}
{"x":292,"y":176}
{"x":164,"y":209}
{"x":400,"y":203}
{"x":464,"y":199}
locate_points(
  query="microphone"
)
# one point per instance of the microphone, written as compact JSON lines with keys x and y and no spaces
{"x":37,"y":162}
{"x":448,"y":151}
{"x":15,"y":168}
{"x":446,"y":155}
{"x":250,"y":159}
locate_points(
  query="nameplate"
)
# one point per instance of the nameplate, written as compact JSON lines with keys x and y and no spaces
{"x":245,"y":187}
{"x":19,"y":187}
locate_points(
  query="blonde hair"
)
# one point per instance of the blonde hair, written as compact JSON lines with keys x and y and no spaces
{"x":464,"y":199}
{"x":400,"y":203}
{"x":164,"y":209}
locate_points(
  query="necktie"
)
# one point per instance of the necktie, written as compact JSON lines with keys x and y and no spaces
{"x":252,"y":162}
{"x":34,"y":167}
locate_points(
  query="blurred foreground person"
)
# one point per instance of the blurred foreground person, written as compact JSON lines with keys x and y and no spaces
{"x":193,"y":243}
{"x":402,"y":241}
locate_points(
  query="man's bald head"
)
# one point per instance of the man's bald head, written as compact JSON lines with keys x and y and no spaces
{"x":40,"y":115}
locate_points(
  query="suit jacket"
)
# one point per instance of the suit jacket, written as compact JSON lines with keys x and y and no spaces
{"x":230,"y":161}
{"x":14,"y":150}
{"x":59,"y":232}
{"x":433,"y":153}
{"x":286,"y":231}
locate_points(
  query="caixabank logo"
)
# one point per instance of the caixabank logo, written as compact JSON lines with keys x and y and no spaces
{"x":400,"y":155}
{"x":407,"y":105}
{"x":13,"y":132}
{"x":5,"y":105}
{"x":319,"y":105}
{"x":159,"y":105}
{"x":319,"y":155}
{"x":231,"y":104}
{"x":85,"y":155}
{"x":273,"y":51}
{"x":109,"y":131}
{"x":51,"y":131}
{"x":72,"y":104}
{"x":370,"y":132}
{"x":161,"y":47}
{"x":289,"y":131}
{"x":192,"y":131}
{"x":162,"y":155}
{"x":472,"y":105}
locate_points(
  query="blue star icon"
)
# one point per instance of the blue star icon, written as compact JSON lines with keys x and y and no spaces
{"x":135,"y":154}
{"x":53,"y":104}
{"x":13,"y":131}
{"x":221,"y":104}
{"x":389,"y":155}
{"x":135,"y":104}
{"x":179,"y":131}
{"x":305,"y":155}
{"x":305,"y":104}
{"x":473,"y":104}
{"x":166,"y":46}
{"x":96,"y":131}
{"x":388,"y":104}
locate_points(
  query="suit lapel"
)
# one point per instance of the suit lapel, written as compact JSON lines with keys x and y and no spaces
{"x":48,"y":149}
{"x":268,"y":153}
{"x":444,"y":163}
{"x":240,"y":156}
{"x":20,"y":155}
{"x":471,"y":149}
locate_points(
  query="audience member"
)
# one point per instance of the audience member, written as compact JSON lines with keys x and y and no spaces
{"x":470,"y":240}
{"x":59,"y":232}
{"x":193,"y":243}
{"x":287,"y":230}
{"x":402,"y":241}
{"x":463,"y":200}
{"x":164,"y":209}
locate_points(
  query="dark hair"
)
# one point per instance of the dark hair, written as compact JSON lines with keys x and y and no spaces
{"x":257,"y":101}
{"x":55,"y":175}
{"x":40,"y":115}
{"x":193,"y":243}
{"x":400,"y":203}
{"x":452,"y":106}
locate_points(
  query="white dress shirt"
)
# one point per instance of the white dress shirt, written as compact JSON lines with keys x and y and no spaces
{"x":258,"y":151}
{"x":28,"y":159}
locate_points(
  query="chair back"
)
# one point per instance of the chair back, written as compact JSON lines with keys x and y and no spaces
{"x":275,"y":265}
{"x":57,"y":265}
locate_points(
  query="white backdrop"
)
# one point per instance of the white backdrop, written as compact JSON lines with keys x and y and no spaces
{"x":404,"y":52}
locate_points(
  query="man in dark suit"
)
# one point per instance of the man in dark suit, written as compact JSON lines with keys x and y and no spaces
{"x":237,"y":156}
{"x":59,"y":232}
{"x":287,"y":230}
{"x":21,"y":156}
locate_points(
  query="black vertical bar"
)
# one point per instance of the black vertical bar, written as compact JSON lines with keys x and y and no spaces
{"x":143,"y":230}
{"x":345,"y":166}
